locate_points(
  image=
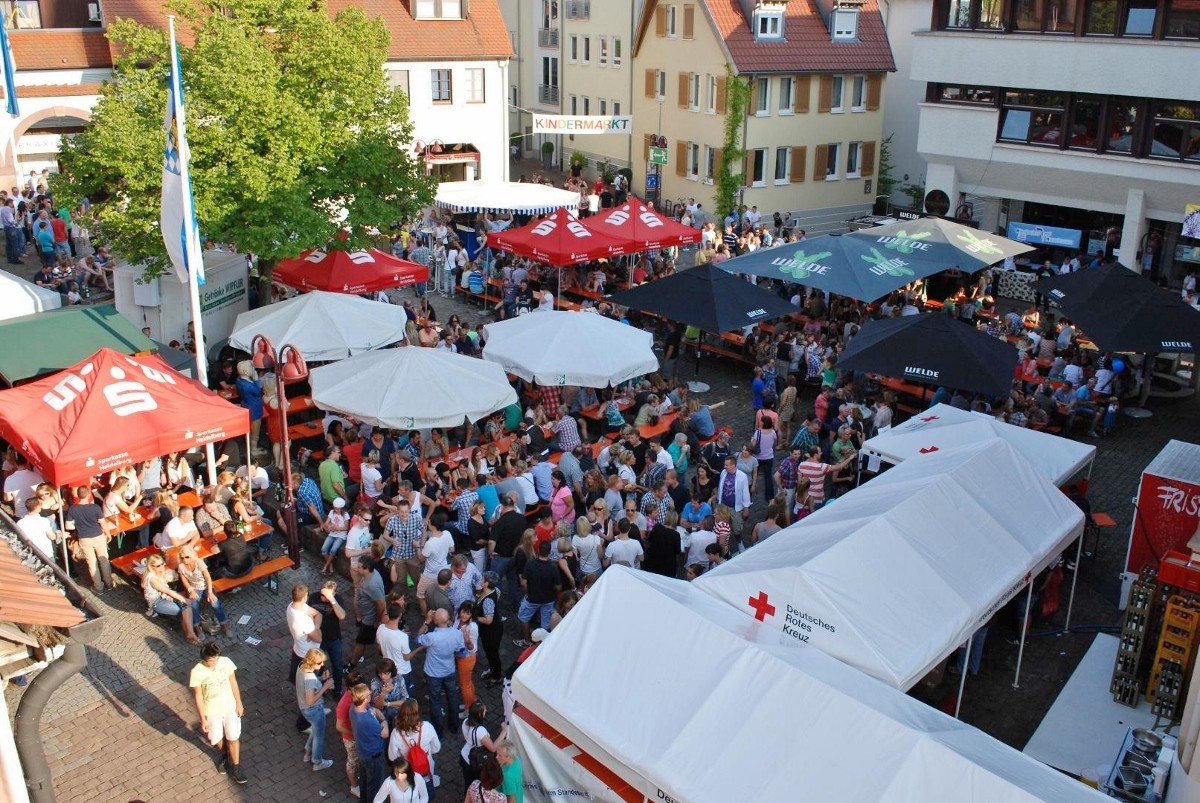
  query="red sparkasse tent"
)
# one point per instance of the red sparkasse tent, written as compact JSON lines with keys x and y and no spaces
{"x":348,"y":271}
{"x":557,"y":239}
{"x":641,"y":228}
{"x":110,"y":410}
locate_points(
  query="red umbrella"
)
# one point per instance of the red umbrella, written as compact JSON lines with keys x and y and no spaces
{"x":641,"y":228}
{"x":558,"y":239}
{"x":111,"y":410}
{"x":348,"y":271}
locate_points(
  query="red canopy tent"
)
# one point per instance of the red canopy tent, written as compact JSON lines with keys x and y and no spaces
{"x":111,"y":410}
{"x":640,"y":228}
{"x":558,"y":239}
{"x":348,"y":271}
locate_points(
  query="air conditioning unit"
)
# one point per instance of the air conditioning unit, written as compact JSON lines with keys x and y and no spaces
{"x":94,"y":12}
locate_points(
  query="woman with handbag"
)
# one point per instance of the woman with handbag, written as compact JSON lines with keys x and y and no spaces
{"x":486,"y":789}
{"x":478,"y":746}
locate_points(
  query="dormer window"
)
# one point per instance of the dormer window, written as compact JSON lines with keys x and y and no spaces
{"x":845,"y":24}
{"x":768,"y":21}
{"x":438,"y":9}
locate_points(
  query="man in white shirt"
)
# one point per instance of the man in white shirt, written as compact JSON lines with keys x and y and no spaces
{"x":393,"y":643}
{"x":21,"y":484}
{"x":623,"y":550}
{"x":179,"y":531}
{"x":260,"y":481}
{"x":695,"y":542}
{"x":37,"y":528}
{"x":733,"y":490}
{"x":304,"y":624}
{"x":438,"y":545}
{"x":753,"y":217}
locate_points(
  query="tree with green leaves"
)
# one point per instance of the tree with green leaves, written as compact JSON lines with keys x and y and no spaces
{"x":297,"y":138}
{"x":737,"y":97}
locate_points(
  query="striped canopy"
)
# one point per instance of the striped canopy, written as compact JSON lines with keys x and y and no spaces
{"x":504,"y":196}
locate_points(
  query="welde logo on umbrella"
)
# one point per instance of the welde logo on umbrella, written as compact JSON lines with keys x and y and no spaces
{"x":974,"y":244}
{"x":1185,"y":345}
{"x":1058,"y":294}
{"x":920,"y":373}
{"x":756,"y":313}
{"x":884,"y":266}
{"x":906,"y":243}
{"x":801,"y":265}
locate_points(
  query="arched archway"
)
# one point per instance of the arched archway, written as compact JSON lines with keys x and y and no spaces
{"x":36,"y":137}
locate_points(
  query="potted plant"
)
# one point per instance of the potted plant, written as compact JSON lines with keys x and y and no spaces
{"x":547,"y":155}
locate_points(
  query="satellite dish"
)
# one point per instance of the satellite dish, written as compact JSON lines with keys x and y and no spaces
{"x":937,"y":202}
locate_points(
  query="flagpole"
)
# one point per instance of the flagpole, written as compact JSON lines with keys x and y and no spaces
{"x":10,"y":91}
{"x":193,"y":256}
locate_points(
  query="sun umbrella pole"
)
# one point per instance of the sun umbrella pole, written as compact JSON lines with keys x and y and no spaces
{"x":962,"y":678}
{"x":699,"y":340}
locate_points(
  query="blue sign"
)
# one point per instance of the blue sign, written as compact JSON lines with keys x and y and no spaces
{"x":652,"y":182}
{"x":1035,"y":234}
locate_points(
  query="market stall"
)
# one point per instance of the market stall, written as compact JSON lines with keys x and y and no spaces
{"x":717,"y":707}
{"x":348,"y":271}
{"x":895,"y":575}
{"x":504,"y":196}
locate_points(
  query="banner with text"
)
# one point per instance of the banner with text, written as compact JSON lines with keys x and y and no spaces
{"x":1035,"y":234}
{"x":581,"y":124}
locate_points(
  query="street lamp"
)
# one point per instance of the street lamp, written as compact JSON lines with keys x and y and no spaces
{"x":290,"y":368}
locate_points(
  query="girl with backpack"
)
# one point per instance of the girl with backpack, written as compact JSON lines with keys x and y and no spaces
{"x":416,"y":742}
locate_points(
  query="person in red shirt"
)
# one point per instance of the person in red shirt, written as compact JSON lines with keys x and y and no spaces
{"x":353,"y":452}
{"x":62,"y":236}
{"x":544,"y":529}
{"x":346,"y":731}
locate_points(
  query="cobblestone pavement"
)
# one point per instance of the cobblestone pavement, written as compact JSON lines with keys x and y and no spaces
{"x":126,"y":728}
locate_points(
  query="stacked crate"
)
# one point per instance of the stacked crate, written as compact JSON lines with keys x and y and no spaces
{"x":1174,"y":657}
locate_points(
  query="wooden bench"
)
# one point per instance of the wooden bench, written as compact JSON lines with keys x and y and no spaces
{"x":724,"y":352}
{"x":124,"y":563}
{"x":262,"y":570}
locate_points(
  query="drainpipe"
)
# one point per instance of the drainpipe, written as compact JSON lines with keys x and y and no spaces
{"x":27,"y":722}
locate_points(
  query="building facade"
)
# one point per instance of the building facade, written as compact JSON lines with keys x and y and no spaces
{"x":535,"y":85}
{"x":813,"y":126}
{"x":1069,"y":116}
{"x":457,"y":94}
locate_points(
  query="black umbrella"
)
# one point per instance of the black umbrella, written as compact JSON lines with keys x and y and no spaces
{"x":707,"y":297}
{"x":933,"y":348}
{"x":1120,"y":310}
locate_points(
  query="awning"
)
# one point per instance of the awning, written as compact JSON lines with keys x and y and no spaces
{"x":21,"y":297}
{"x":45,"y":342}
{"x":504,"y":196}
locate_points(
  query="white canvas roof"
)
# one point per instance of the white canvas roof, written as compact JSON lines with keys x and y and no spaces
{"x":22,"y":297}
{"x":323,"y":326}
{"x":504,"y":196}
{"x":898,"y":573}
{"x":944,"y":427}
{"x":687,"y":699}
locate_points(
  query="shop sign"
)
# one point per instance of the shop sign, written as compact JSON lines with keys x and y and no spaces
{"x":582,"y":124}
{"x":1036,"y":234}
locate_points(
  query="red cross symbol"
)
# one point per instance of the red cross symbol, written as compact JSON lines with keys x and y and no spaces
{"x":929,"y":418}
{"x":762,"y":608}
{"x":929,"y":449}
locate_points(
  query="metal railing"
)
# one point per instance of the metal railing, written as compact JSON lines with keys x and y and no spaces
{"x":579,"y":9}
{"x":547,"y":37}
{"x":548,"y":94}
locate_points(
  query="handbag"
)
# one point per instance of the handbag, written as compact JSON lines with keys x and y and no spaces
{"x":477,"y":754}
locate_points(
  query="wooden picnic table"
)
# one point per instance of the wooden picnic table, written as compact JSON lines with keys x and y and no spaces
{"x":127,"y":522}
{"x":300,"y":404}
{"x":650,"y":431}
{"x":207,"y":547}
{"x":595,"y":412}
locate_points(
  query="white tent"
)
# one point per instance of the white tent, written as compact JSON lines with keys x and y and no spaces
{"x":412,"y":388}
{"x":21,"y":297}
{"x":323,"y":326}
{"x":943,"y":427}
{"x":504,"y":196}
{"x":570,"y":348}
{"x":894,"y":576}
{"x":664,"y":693}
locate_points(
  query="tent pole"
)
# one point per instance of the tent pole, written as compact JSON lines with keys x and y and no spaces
{"x":962,"y":678}
{"x":1074,"y":580}
{"x":1024,"y":631}
{"x":62,"y":528}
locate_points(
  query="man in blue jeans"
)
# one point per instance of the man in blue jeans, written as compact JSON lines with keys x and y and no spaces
{"x":442,"y":645}
{"x":542,"y":581}
{"x":506,"y":533}
{"x":371,"y":738}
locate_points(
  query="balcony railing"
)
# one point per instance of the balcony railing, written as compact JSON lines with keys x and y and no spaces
{"x":547,"y":94}
{"x":579,"y":9}
{"x":547,"y":37}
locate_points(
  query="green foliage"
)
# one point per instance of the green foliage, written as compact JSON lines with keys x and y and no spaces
{"x":577,"y":158}
{"x":737,"y":98}
{"x":887,"y":181}
{"x":291,"y":123}
{"x":547,"y":147}
{"x":916,"y":195}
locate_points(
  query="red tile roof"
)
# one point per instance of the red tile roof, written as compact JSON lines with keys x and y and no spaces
{"x":58,"y":90}
{"x":807,"y":45}
{"x":59,"y":49}
{"x":27,"y":601}
{"x":482,"y":36}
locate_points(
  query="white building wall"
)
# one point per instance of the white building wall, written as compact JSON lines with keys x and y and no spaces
{"x":905,"y":94}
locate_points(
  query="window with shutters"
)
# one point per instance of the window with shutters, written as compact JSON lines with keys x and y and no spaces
{"x":710,"y":94}
{"x":866,"y":159}
{"x":710,"y":164}
{"x":799,"y":160}
{"x":689,"y":21}
{"x":787,"y":87}
{"x":672,"y":31}
{"x":720,"y":96}
{"x":661,"y":84}
{"x":858,"y":93}
{"x":758,"y":167}
{"x":874,"y":91}
{"x":694,"y":92}
{"x":616,"y":51}
{"x":683,"y":88}
{"x":835,"y":95}
{"x":693,"y":160}
{"x":573,"y":49}
{"x":803,"y":88}
{"x":783,"y":158}
{"x":603,"y":44}
{"x":762,"y":97}
{"x":853,"y":151}
{"x":681,"y":157}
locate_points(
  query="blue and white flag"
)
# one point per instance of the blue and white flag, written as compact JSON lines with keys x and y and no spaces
{"x":10,"y":73}
{"x":180,"y":232}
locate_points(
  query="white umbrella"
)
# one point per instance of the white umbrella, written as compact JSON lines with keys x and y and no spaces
{"x":570,"y":348}
{"x":412,"y":388}
{"x":323,"y":326}
{"x":504,"y":196}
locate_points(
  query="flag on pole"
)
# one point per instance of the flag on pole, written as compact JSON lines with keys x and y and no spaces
{"x":10,"y":73}
{"x":180,"y":233}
